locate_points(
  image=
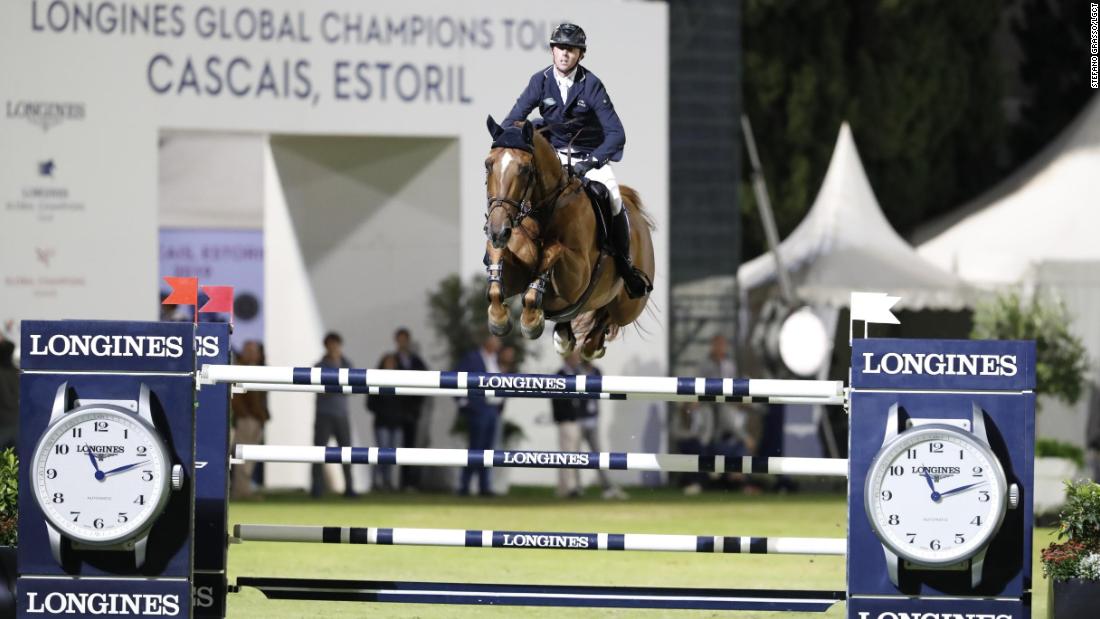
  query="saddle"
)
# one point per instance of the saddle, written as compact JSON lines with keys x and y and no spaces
{"x":600,"y":198}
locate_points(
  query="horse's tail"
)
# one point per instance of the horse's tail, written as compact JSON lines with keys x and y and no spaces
{"x":632,"y":199}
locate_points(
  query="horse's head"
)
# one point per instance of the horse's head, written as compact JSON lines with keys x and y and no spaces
{"x":511,"y":176}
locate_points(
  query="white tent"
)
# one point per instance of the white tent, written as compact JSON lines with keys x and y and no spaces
{"x":1047,"y":211}
{"x":1040,"y":229}
{"x":845,"y":243}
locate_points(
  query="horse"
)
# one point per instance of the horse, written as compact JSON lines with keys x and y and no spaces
{"x":542,"y":241}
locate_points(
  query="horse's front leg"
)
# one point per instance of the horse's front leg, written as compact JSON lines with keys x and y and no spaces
{"x":532,"y":320}
{"x":500,"y":321}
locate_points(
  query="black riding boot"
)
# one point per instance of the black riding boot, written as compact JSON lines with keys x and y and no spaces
{"x":635,"y":282}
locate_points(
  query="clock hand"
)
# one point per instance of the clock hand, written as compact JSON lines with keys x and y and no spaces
{"x":936,"y":496}
{"x":961,"y":488}
{"x":124,"y":468}
{"x":95,"y":463}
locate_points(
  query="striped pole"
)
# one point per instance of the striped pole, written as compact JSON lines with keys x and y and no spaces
{"x":540,"y":540}
{"x":550,"y":383}
{"x":622,"y":461}
{"x":516,"y":393}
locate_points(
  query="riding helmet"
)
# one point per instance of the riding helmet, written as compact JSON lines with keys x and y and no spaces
{"x":570,"y":35}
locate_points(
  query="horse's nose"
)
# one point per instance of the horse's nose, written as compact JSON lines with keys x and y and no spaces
{"x":500,"y":239}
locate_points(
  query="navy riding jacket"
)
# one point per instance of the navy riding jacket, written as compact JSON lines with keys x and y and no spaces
{"x":587,"y":111}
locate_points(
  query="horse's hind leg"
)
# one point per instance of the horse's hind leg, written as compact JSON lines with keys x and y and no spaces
{"x":564,"y":340}
{"x":595,"y":339}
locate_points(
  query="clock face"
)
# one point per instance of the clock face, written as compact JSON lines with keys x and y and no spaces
{"x":935,"y":495}
{"x":101,"y":474}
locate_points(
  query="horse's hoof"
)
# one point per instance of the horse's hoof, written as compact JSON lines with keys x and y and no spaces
{"x":533,"y":332}
{"x":596,"y":354}
{"x":564,"y":346}
{"x":500,"y":330}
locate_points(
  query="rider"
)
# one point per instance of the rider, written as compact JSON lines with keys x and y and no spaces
{"x":583,"y":125}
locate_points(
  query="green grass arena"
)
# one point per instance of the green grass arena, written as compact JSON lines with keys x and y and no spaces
{"x":647,"y":511}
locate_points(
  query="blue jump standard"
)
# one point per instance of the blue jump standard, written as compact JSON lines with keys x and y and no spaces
{"x":543,"y":595}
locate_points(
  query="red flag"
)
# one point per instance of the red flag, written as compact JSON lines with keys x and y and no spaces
{"x":220,"y":299}
{"x":185,"y":291}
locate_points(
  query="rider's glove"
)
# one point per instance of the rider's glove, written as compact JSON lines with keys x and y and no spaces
{"x":580,"y":168}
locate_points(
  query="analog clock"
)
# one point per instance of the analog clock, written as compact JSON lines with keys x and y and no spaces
{"x":101,"y":473}
{"x":936,"y":495}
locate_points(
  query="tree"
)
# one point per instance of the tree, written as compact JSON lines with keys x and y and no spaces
{"x":918,"y":81}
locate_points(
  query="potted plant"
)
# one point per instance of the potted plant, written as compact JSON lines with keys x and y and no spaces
{"x":9,"y":516}
{"x":1072,"y":564}
{"x":1061,"y":364}
{"x":1055,"y":462}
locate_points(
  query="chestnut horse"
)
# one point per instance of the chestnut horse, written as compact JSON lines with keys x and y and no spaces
{"x":543,"y":242}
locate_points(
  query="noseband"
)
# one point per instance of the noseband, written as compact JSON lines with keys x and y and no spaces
{"x":524,"y":207}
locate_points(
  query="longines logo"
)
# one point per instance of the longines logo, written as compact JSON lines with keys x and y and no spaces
{"x":101,"y":451}
{"x":45,"y":114}
{"x":83,"y":604}
{"x":526,"y":458}
{"x":937,"y":472}
{"x":539,"y":383}
{"x":923,"y":615}
{"x":107,"y":346}
{"x":528,"y":540}
{"x":936,"y":364}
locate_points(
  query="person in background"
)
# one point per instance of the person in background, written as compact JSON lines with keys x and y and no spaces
{"x":482,"y":414}
{"x":9,"y":395}
{"x":331,"y":418}
{"x":578,"y":420}
{"x":690,"y":431}
{"x":730,"y":427}
{"x":388,"y":422}
{"x":249,"y":416}
{"x":411,"y":407}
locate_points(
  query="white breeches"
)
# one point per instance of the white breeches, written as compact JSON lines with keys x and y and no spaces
{"x":603,"y":175}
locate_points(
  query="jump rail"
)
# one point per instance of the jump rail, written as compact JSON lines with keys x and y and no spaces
{"x":517,"y":393}
{"x":551,"y":383}
{"x":540,"y":540}
{"x":489,"y":458}
{"x":494,"y":594}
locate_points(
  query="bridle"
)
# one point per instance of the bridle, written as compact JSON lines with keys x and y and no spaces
{"x":524,"y":208}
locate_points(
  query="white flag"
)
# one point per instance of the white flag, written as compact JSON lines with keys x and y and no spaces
{"x":873,"y":307}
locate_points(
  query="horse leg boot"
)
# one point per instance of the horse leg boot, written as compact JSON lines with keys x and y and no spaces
{"x":500,"y":322}
{"x":533,"y":320}
{"x":564,"y":339}
{"x":636,"y":283}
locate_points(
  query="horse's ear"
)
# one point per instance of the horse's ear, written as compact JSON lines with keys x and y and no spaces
{"x":494,"y":129}
{"x":528,"y":132}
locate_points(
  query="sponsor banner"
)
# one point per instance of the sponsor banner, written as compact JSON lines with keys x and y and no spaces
{"x":219,"y":257}
{"x":211,"y":454}
{"x":964,"y":365}
{"x":108,"y":346}
{"x":209,"y":594}
{"x":103,"y":597}
{"x":933,"y":608}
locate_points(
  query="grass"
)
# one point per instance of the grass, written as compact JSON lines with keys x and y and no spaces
{"x":648,"y":511}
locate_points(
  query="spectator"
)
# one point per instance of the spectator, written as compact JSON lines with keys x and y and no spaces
{"x":578,"y":420}
{"x":411,"y":407}
{"x":730,"y":434}
{"x":482,"y":414}
{"x":249,"y":415}
{"x":388,"y":422}
{"x":9,"y":396}
{"x":331,"y":419}
{"x":691,"y":431}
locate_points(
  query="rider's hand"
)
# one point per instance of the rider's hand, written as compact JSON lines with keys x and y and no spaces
{"x":580,"y":168}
